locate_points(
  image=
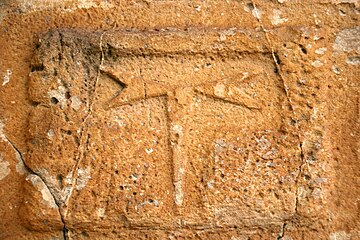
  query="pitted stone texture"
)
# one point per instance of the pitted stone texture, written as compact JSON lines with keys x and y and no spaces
{"x":215,"y":120}
{"x":164,"y":135}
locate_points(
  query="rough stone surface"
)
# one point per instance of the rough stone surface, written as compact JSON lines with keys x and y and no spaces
{"x":179,"y":119}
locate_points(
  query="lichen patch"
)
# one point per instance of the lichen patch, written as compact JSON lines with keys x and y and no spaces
{"x":4,"y":168}
{"x":45,"y":192}
{"x":6,"y":78}
{"x":83,"y":177}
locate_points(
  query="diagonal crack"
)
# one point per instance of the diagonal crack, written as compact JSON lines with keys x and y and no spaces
{"x":286,"y":89}
{"x":282,"y":234}
{"x":275,"y":58}
{"x":84,"y":136}
{"x":28,"y":169}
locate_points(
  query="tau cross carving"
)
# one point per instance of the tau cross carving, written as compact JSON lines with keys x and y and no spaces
{"x":184,"y":100}
{"x":179,"y":102}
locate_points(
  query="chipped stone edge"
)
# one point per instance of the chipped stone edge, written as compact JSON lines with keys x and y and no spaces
{"x":22,"y":168}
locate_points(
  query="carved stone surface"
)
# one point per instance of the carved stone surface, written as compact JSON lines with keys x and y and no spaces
{"x":143,"y":133}
{"x":240,"y":131}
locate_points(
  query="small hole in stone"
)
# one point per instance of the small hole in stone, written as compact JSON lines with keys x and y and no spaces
{"x":36,"y":68}
{"x":303,"y":49}
{"x":59,"y":177}
{"x":54,"y":100}
{"x":121,"y":188}
{"x":134,"y":193}
{"x":116,"y":171}
{"x":250,"y":6}
{"x":277,"y":59}
{"x":34,"y":104}
{"x":277,"y":196}
{"x":85,"y":234}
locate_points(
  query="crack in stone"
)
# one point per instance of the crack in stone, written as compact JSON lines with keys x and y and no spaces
{"x":83,"y":130}
{"x":84,"y":143}
{"x":282,"y":234}
{"x":302,"y":157}
{"x":62,"y":206}
{"x":145,"y":87}
{"x":273,"y":54}
{"x":278,"y":72}
{"x":28,"y":169}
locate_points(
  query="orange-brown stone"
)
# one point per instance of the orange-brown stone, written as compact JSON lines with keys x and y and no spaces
{"x":179,"y":120}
